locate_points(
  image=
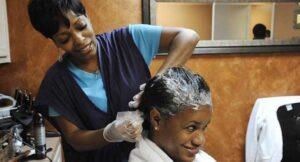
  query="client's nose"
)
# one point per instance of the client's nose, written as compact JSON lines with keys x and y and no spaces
{"x":199,"y":138}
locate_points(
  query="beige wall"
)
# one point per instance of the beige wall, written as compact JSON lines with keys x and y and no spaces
{"x":190,"y":15}
{"x":236,"y":80}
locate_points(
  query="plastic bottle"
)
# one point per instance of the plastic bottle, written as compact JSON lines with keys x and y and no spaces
{"x":39,"y":136}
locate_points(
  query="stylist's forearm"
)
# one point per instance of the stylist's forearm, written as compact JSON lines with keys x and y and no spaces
{"x":180,"y":49}
{"x":81,"y":140}
{"x":86,"y":140}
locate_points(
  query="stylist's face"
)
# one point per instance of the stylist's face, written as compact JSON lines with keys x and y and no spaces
{"x":78,"y":39}
{"x":182,"y":136}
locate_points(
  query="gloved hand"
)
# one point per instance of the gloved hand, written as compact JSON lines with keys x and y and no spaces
{"x":124,"y":129}
{"x":137,"y":98}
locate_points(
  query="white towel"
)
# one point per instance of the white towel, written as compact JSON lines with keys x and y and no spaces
{"x":147,"y":151}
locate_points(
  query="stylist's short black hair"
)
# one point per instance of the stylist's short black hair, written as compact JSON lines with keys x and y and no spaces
{"x":47,"y":15}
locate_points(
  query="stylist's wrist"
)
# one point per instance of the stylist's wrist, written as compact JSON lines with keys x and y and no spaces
{"x":110,"y":135}
{"x":122,"y":130}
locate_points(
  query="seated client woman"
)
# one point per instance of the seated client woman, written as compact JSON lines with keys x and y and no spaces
{"x":177,"y":109}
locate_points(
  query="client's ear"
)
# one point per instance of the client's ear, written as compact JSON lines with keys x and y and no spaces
{"x":155,"y":118}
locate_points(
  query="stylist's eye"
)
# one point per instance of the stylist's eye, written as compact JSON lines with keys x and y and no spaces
{"x":63,"y":41}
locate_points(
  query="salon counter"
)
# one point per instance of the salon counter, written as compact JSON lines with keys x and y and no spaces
{"x":56,"y":154}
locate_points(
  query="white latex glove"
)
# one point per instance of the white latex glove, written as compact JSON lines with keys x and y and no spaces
{"x":124,"y":129}
{"x":137,"y":98}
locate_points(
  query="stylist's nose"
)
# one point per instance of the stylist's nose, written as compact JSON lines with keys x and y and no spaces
{"x":199,"y":138}
{"x":78,"y":38}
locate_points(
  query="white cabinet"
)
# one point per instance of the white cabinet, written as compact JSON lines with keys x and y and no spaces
{"x":4,"y":38}
{"x":230,"y":22}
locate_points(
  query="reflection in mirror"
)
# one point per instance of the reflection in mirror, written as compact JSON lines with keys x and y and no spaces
{"x":225,"y":23}
{"x":231,"y":21}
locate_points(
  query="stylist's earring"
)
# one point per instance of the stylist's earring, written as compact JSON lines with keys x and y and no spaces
{"x":60,"y":55}
{"x":155,"y":128}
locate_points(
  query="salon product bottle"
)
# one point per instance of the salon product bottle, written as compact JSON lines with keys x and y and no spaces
{"x":17,"y":141}
{"x":39,"y":136}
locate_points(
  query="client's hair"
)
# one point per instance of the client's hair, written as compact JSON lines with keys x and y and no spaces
{"x":170,"y":92}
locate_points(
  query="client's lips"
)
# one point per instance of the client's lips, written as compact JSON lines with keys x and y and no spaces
{"x":192,"y":150}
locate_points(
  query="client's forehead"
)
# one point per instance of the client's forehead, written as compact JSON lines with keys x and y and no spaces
{"x":197,"y":114}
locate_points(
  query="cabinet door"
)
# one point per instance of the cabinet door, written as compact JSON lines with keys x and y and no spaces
{"x":230,"y":21}
{"x":4,"y":39}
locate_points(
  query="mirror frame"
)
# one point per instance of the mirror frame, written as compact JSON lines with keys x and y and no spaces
{"x":227,"y":46}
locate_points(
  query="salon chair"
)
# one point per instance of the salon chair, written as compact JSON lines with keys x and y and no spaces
{"x":268,"y":138}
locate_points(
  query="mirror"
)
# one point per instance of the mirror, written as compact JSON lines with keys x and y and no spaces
{"x":228,"y":26}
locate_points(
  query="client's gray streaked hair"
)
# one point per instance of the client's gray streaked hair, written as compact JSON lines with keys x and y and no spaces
{"x":177,"y":88}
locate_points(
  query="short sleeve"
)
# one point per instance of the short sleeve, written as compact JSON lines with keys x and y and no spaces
{"x":146,"y":38}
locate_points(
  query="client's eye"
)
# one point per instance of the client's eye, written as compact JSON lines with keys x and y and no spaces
{"x":82,"y":26}
{"x":204,"y":127}
{"x":191,"y":128}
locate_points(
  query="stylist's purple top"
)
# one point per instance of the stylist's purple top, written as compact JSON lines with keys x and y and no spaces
{"x":122,"y":74}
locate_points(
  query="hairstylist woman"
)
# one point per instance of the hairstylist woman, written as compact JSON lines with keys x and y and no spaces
{"x":98,"y":75}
